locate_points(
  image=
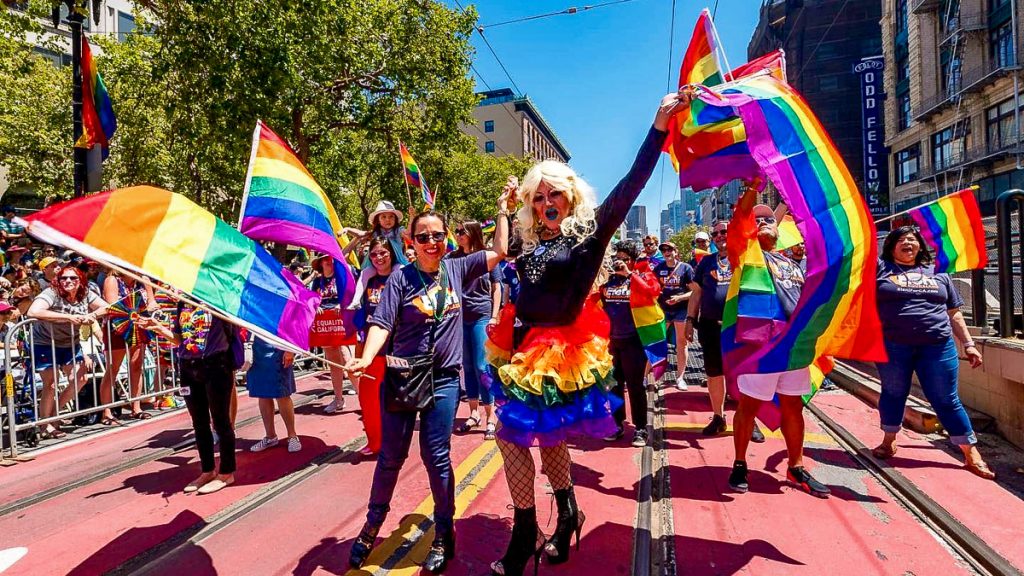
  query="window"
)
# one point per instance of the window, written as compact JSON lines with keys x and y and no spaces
{"x":903,"y":111}
{"x":1001,"y":125}
{"x":828,"y":83}
{"x":951,"y":72}
{"x":489,"y":146}
{"x":907,"y":162}
{"x":948,"y":146}
{"x":902,"y":68}
{"x":125,"y":25}
{"x":901,"y":16}
{"x":997,"y":4}
{"x":1001,"y":46}
{"x":488,"y":125}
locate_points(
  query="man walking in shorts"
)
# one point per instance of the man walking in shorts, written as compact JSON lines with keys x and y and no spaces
{"x":707,"y":302}
{"x":790,"y":385}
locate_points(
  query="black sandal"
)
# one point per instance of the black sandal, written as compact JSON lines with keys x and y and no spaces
{"x":466,"y":427}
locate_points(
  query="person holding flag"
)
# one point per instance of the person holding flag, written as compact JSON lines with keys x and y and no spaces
{"x":920,"y":312}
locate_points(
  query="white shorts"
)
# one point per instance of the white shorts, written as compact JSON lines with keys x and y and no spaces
{"x":765,"y":386}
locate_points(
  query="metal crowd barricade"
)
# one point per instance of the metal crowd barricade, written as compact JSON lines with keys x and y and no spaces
{"x":24,"y":386}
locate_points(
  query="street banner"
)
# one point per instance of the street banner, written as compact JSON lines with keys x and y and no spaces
{"x":328,"y":329}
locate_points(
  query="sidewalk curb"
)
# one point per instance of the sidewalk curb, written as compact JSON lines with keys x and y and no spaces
{"x":918,"y":415}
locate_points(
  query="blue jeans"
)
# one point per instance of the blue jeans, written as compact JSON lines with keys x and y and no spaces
{"x":938,"y":370}
{"x":474,"y":361}
{"x":436,"y":425}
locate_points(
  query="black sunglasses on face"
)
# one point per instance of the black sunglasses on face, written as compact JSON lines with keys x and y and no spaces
{"x":765,"y":219}
{"x":460,"y":231}
{"x":69,"y":278}
{"x":428,"y":237}
{"x":720,"y":233}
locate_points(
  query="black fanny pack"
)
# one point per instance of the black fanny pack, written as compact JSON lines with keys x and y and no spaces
{"x":409,"y":381}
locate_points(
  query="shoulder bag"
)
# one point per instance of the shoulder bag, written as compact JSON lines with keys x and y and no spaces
{"x":409,"y":382}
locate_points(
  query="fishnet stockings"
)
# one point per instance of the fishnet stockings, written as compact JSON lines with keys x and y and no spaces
{"x":520,"y":472}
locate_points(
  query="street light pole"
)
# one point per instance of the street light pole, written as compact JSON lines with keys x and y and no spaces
{"x":76,"y":16}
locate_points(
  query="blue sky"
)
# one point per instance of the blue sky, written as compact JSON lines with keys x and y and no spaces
{"x":597,"y":75}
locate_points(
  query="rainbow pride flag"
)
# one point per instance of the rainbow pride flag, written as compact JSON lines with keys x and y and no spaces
{"x":488,"y":227}
{"x":163,"y":235}
{"x":98,"y":120}
{"x":450,"y":243}
{"x":789,"y":234}
{"x":649,"y":317}
{"x":952,"y":227}
{"x":413,"y":176}
{"x":836,"y":314}
{"x":282,"y":202}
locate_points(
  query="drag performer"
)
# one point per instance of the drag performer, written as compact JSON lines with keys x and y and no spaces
{"x":549,"y":353}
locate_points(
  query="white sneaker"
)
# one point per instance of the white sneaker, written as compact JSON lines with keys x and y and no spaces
{"x":336,"y":405}
{"x":681,"y":384}
{"x":263,"y":445}
{"x":293,"y":444}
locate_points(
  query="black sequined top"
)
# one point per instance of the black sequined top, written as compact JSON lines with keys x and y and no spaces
{"x":556,"y":278}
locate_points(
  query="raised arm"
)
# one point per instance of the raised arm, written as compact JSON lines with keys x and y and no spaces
{"x":612,"y":212}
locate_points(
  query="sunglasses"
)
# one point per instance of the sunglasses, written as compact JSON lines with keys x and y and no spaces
{"x":379,"y":255}
{"x":720,"y":233}
{"x":460,"y":231}
{"x":428,"y":237}
{"x":765,"y":220}
{"x":69,"y":278}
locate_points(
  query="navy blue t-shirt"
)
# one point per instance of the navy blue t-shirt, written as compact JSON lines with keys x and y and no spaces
{"x":510,"y":280}
{"x":615,"y":297}
{"x":713,"y":275}
{"x":788,"y":279}
{"x":674,"y":280}
{"x":374,"y":290}
{"x":913,"y":303}
{"x":478,"y":302}
{"x":407,"y":305}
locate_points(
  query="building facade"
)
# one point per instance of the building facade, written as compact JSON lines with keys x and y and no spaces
{"x":953,"y":116}
{"x":509,"y":124}
{"x":636,"y":222}
{"x":824,"y":41}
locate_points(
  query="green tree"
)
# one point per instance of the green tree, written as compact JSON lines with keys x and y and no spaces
{"x":684,"y":241}
{"x":35,"y":106}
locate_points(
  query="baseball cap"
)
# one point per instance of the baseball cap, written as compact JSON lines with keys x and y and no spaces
{"x":5,"y":307}
{"x":665,"y":245}
{"x":702,"y":236}
{"x":46,"y":262}
{"x":763,"y":210}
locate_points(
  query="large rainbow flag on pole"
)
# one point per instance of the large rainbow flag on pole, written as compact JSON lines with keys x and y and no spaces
{"x":836,"y":314}
{"x":952,"y":226}
{"x":282,"y":202}
{"x":703,"y":150}
{"x":98,"y":120}
{"x":413,"y":176}
{"x":168,"y":237}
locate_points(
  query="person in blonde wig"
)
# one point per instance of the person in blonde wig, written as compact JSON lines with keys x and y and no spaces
{"x":550,"y":366}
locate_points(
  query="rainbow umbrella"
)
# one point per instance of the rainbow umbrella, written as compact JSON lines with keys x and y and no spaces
{"x":124,"y":318}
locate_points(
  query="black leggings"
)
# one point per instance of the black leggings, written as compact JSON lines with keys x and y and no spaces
{"x":630,"y":366}
{"x":209,"y":382}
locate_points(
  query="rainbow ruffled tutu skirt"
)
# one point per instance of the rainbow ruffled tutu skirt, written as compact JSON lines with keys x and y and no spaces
{"x":556,"y":383}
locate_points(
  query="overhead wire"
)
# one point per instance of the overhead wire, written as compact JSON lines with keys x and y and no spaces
{"x":566,"y":12}
{"x":835,"y":18}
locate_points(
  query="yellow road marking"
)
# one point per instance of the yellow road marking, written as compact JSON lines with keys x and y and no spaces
{"x":813,"y":437}
{"x":407,"y":530}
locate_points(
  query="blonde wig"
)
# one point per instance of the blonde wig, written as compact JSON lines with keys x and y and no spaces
{"x":579,"y":223}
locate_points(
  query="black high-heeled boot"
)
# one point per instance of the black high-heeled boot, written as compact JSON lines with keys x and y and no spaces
{"x":527,"y":541}
{"x":441,"y":551}
{"x":363,"y":545}
{"x":570,"y":521}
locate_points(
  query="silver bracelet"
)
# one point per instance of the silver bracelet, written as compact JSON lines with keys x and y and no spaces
{"x":969,"y":344}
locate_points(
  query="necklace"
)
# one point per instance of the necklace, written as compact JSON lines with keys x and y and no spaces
{"x":427,"y":283}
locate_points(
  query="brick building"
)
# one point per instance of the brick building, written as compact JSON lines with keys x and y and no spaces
{"x":953,"y":110}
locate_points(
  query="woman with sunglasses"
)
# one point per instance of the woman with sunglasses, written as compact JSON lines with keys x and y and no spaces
{"x":384,"y":261}
{"x":61,"y":309}
{"x":420,"y":313}
{"x":482,"y":302}
{"x":550,"y":351}
{"x":920,"y":312}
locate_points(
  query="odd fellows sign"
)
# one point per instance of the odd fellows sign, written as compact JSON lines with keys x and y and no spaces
{"x":876,"y":181}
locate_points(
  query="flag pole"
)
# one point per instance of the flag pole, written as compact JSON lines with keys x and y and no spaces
{"x":405,"y":178}
{"x":919,"y":206}
{"x":727,"y":73}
